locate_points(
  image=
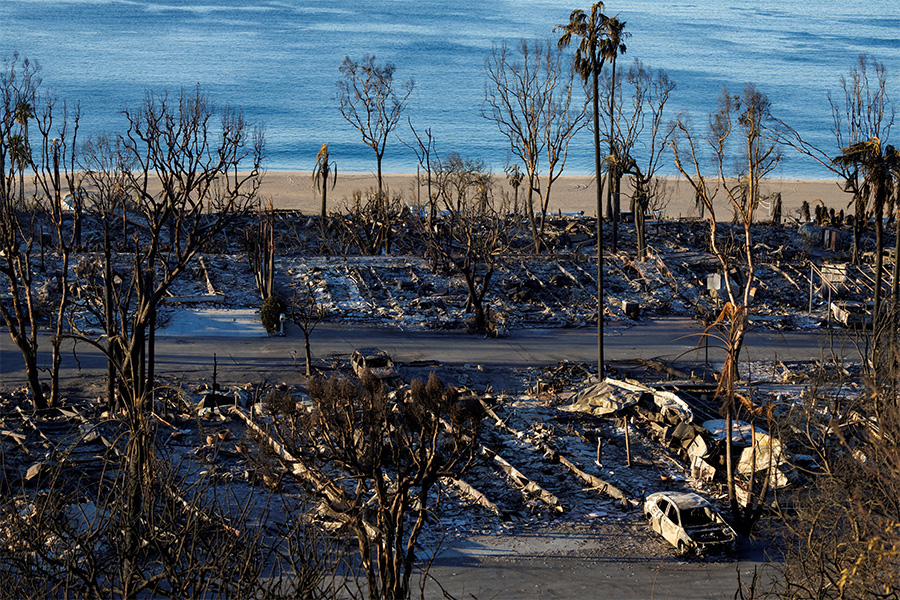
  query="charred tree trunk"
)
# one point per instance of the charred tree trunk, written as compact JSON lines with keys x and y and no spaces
{"x":308,"y":352}
{"x":151,"y":351}
{"x":109,"y":319}
{"x":532,"y":219}
{"x":137,"y":479}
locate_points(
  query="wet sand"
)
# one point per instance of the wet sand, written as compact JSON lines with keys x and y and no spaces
{"x":575,"y":193}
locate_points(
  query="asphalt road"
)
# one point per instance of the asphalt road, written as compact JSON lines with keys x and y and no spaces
{"x":675,"y":340}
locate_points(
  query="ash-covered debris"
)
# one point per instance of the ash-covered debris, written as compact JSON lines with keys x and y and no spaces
{"x":407,"y":288}
{"x":544,"y":458}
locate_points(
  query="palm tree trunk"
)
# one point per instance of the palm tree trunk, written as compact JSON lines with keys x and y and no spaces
{"x":612,"y":168}
{"x":324,"y":195}
{"x":597,"y":168}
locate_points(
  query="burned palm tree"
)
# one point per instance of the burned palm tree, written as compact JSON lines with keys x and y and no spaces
{"x":18,"y":155}
{"x":589,"y":60}
{"x":877,"y":165}
{"x":611,"y":46}
{"x":324,"y":169}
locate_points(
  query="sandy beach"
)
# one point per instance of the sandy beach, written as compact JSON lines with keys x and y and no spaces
{"x":574,"y":193}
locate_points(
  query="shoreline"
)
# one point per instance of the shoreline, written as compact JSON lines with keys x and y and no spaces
{"x":293,"y":190}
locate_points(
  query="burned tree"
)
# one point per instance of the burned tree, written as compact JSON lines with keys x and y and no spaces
{"x":198,"y":542}
{"x":389,"y":451}
{"x":863,"y":115}
{"x":205,"y":164}
{"x":55,"y":174}
{"x":529,"y":96}
{"x":428,"y":159}
{"x":862,"y":112}
{"x":841,"y":534}
{"x":875,"y":166}
{"x":305,"y":312}
{"x":324,"y":170}
{"x":743,"y":117}
{"x":105,"y":288}
{"x":18,"y":84}
{"x":261,"y":251}
{"x":370,"y":102}
{"x":471,"y":233}
{"x":367,"y":222}
{"x":640,"y":138}
{"x":180,"y":174}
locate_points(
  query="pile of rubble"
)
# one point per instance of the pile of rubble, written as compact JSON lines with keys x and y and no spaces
{"x":796,"y":277}
{"x":563,"y":448}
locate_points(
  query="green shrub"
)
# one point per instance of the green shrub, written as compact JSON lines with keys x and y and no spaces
{"x":270,"y":313}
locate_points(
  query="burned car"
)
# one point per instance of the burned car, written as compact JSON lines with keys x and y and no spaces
{"x":377,"y":362}
{"x":688,"y":522}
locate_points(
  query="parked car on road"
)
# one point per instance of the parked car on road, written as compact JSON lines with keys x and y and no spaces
{"x":688,"y":522}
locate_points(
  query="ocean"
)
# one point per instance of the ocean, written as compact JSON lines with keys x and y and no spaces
{"x":278,"y":61}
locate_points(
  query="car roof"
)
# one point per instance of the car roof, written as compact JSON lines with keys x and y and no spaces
{"x":681,"y":499}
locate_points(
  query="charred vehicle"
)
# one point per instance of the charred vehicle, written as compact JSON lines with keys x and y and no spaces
{"x":688,"y":522}
{"x":377,"y":362}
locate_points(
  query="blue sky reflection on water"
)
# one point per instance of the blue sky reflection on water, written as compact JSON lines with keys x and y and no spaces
{"x":278,"y":60}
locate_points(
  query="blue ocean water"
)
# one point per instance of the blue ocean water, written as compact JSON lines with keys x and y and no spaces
{"x":278,"y":60}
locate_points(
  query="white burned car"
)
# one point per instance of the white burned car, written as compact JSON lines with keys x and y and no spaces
{"x":688,"y":522}
{"x":377,"y":362}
